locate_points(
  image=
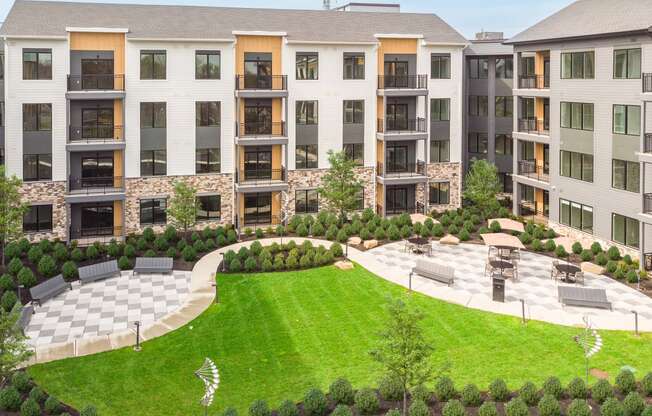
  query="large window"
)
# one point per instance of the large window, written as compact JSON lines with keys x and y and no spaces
{"x":627,"y":119}
{"x":152,"y":64}
{"x":207,"y":113}
{"x":627,"y":63}
{"x":478,"y":105}
{"x":152,"y":115}
{"x":37,"y":64}
{"x":153,"y":162}
{"x":440,"y":109}
{"x":504,"y":106}
{"x":38,"y":218}
{"x":578,"y":65}
{"x":306,"y":156}
{"x":577,"y":116}
{"x":504,"y":144}
{"x":624,"y":230}
{"x":576,"y":165}
{"x":37,"y":167}
{"x":207,"y":160}
{"x":207,"y":64}
{"x":306,"y":201}
{"x":625,"y":175}
{"x":307,"y":112}
{"x":478,"y":68}
{"x":353,"y":65}
{"x":505,"y":68}
{"x":353,"y":111}
{"x":440,"y":66}
{"x":355,"y":152}
{"x":439,"y":193}
{"x":506,"y":183}
{"x":576,"y":215}
{"x":440,"y":151}
{"x":37,"y":117}
{"x":478,"y":143}
{"x":307,"y":66}
{"x":153,"y":211}
{"x":209,"y":207}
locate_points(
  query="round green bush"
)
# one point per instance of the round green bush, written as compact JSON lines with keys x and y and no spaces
{"x":578,"y":407}
{"x":341,"y":391}
{"x":577,"y":389}
{"x":549,"y":406}
{"x":529,"y":393}
{"x":586,"y":255}
{"x":393,"y":412}
{"x":21,"y":381}
{"x":60,"y":252}
{"x":552,"y":386}
{"x":45,"y":245}
{"x":488,"y":409}
{"x":259,"y":408}
{"x":646,"y":384}
{"x":596,"y":248}
{"x":453,"y":408}
{"x":124,"y":263}
{"x":560,"y":251}
{"x":418,"y":408}
{"x":633,"y":404}
{"x":9,"y":399}
{"x":453,"y":229}
{"x":612,"y":407}
{"x":632,"y":276}
{"x":235,"y":265}
{"x":444,"y":389}
{"x":250,"y":264}
{"x":181,"y":244}
{"x":613,"y":253}
{"x":161,"y":243}
{"x":379,"y":234}
{"x":577,"y":247}
{"x":291,"y":262}
{"x":113,"y":250}
{"x":52,"y":406}
{"x":336,"y":250}
{"x":341,"y":410}
{"x":47,"y":266}
{"x":526,"y":238}
{"x":210,"y":245}
{"x":550,"y":245}
{"x":601,"y":259}
{"x":494,"y":227}
{"x":199,"y":246}
{"x":302,"y":230}
{"x":536,"y":245}
{"x":267,"y":265}
{"x":221,"y":240}
{"x":34,"y":254}
{"x":15,"y":266}
{"x":189,"y":253}
{"x":260,"y":233}
{"x":12,"y":250}
{"x":425,"y":232}
{"x":318,"y":229}
{"x":130,"y":251}
{"x":149,"y":253}
{"x":464,"y":235}
{"x":243,"y":253}
{"x":406,"y":231}
{"x":148,"y":234}
{"x":26,"y":277}
{"x":498,"y":390}
{"x":516,"y":407}
{"x":627,"y":259}
{"x":170,"y":233}
{"x":342,"y":236}
{"x":393,"y":233}
{"x":6,"y":282}
{"x":611,"y":266}
{"x":288,"y":408}
{"x":30,"y":408}
{"x":331,"y":233}
{"x":601,"y":391}
{"x":625,"y":381}
{"x":195,"y":236}
{"x":88,"y":411}
{"x":471,"y":395}
{"x":390,"y":389}
{"x":92,"y":253}
{"x":647,"y":411}
{"x":438,"y":230}
{"x":37,"y":394}
{"x":314,"y":403}
{"x":8,"y":300}
{"x":366,"y":401}
{"x":279,"y":263}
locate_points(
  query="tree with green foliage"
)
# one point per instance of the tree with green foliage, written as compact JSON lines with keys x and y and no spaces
{"x":182,"y":207}
{"x":482,"y":184}
{"x":13,"y":346}
{"x":402,"y":349}
{"x":12,"y":210}
{"x":340,"y":186}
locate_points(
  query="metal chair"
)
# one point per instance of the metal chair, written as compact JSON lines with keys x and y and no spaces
{"x":579,"y":277}
{"x":515,"y":255}
{"x":554,"y":273}
{"x":488,"y":268}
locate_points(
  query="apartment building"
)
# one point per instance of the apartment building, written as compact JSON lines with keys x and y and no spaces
{"x":108,"y":105}
{"x":581,"y":126}
{"x":489,"y":104}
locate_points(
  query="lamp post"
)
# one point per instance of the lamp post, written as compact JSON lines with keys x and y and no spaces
{"x":635,"y":323}
{"x":137,"y":346}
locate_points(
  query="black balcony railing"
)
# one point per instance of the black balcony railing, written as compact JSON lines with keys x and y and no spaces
{"x":411,"y":208}
{"x":259,"y":220}
{"x":534,"y":126}
{"x":647,"y":82}
{"x":260,"y":176}
{"x":401,"y":170}
{"x":402,"y":81}
{"x":99,"y":132}
{"x":527,"y":209}
{"x":534,"y":81}
{"x":261,"y":82}
{"x":94,"y":185}
{"x":530,"y":169}
{"x":103,"y":232}
{"x":647,"y":143}
{"x":105,"y":82}
{"x":262,"y":128}
{"x":417,"y":125}
{"x":647,"y":203}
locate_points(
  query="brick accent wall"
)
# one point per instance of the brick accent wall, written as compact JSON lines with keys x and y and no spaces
{"x":445,"y":172}
{"x":48,"y":193}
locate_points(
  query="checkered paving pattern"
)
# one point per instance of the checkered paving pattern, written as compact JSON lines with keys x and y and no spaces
{"x":107,"y":306}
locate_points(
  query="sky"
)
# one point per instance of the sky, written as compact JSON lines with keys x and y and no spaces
{"x":467,"y":16}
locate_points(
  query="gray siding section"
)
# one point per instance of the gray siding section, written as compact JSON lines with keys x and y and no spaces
{"x":76,"y":108}
{"x":410,"y":101}
{"x":153,"y":139}
{"x":307,"y":133}
{"x":440,"y":130}
{"x":76,"y":159}
{"x":411,"y":150}
{"x":410,"y":58}
{"x":625,"y":147}
{"x":208,"y":137}
{"x":575,"y":140}
{"x":353,"y":133}
{"x":35,"y":142}
{"x":77,"y":56}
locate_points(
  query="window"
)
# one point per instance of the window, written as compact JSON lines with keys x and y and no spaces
{"x":153,"y":211}
{"x":207,"y":113}
{"x":506,"y":184}
{"x":478,"y":143}
{"x":355,"y":152}
{"x":207,"y":65}
{"x":152,"y":115}
{"x":478,"y":105}
{"x":439,"y":151}
{"x":209,"y":207}
{"x":625,"y":175}
{"x":306,"y":156}
{"x":37,"y":167}
{"x":153,"y":162}
{"x":307,"y":112}
{"x":440,"y":66}
{"x":576,"y":165}
{"x":207,"y":160}
{"x":38,"y":218}
{"x":353,"y":65}
{"x":37,"y":117}
{"x":505,"y":68}
{"x":577,"y":65}
{"x":504,"y":106}
{"x":576,"y":215}
{"x":152,"y":64}
{"x":577,"y":116}
{"x":440,"y":109}
{"x":624,"y":230}
{"x":360,"y":199}
{"x":353,"y":111}
{"x":439,"y":193}
{"x":627,"y":63}
{"x":307,"y":66}
{"x":37,"y":64}
{"x":527,"y":66}
{"x":306,"y":201}
{"x":504,"y":144}
{"x":627,"y":119}
{"x":478,"y":68}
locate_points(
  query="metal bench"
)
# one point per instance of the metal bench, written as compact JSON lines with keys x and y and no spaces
{"x":25,"y":313}
{"x":98,"y":271}
{"x":153,"y":265}
{"x":580,"y":296}
{"x":48,"y":289}
{"x":433,"y":271}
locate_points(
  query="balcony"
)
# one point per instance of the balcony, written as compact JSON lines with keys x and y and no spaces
{"x":257,"y":221}
{"x":527,"y":209}
{"x":534,"y":126}
{"x":96,"y":133}
{"x":402,"y":129}
{"x":394,"y":174}
{"x":402,"y":85}
{"x":261,"y":86}
{"x":95,"y":185}
{"x":96,"y":82}
{"x":255,"y":180}
{"x":88,"y":235}
{"x":261,"y":132}
{"x":538,"y":82}
{"x":530,"y":169}
{"x":647,"y":203}
{"x":411,"y":208}
{"x":647,"y":82}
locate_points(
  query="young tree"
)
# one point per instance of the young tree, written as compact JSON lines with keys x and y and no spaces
{"x":340,"y":187}
{"x":402,"y":349}
{"x":482,"y":184}
{"x":12,"y":210}
{"x":183,"y":206}
{"x":13,"y":347}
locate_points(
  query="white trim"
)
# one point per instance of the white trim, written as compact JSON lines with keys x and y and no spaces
{"x":97,"y":29}
{"x":216,"y":40}
{"x":397,"y":36}
{"x":326,"y":42}
{"x":9,"y":37}
{"x":461,"y":45}
{"x":257,"y":33}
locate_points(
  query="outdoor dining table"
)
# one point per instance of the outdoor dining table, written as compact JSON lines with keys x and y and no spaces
{"x":419,"y":241}
{"x":567,"y":270}
{"x":501,"y":264}
{"x":421,"y":245}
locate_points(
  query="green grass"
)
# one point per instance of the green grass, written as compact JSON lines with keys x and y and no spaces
{"x":275,"y":335}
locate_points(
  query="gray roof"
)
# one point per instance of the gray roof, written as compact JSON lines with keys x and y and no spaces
{"x":590,"y":18}
{"x":49,"y":18}
{"x":488,"y":48}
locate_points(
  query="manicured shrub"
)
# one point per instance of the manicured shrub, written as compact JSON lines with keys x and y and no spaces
{"x":259,"y":408}
{"x":438,"y":230}
{"x":88,"y":411}
{"x":9,"y":399}
{"x":549,"y":406}
{"x":114,"y":249}
{"x":601,"y":391}
{"x":60,"y":252}
{"x":288,"y":408}
{"x":393,"y":412}
{"x":292,"y":262}
{"x":553,"y":386}
{"x":471,"y":395}
{"x":341,"y":410}
{"x":578,"y":407}
{"x":52,"y":406}
{"x":149,"y":253}
{"x":379,"y":234}
{"x":235,"y":265}
{"x":47,"y":266}
{"x":577,"y":247}
{"x":124,"y":263}
{"x":464,"y":235}
{"x":647,"y":411}
{"x":453,"y":408}
{"x":631,"y":276}
{"x":613,"y":253}
{"x":266,"y":265}
{"x":37,"y":394}
{"x":418,"y":408}
{"x":161,"y":243}
{"x":260,"y":233}
{"x":366,"y":401}
{"x":331,"y":233}
{"x":498,"y":390}
{"x":550,"y":245}
{"x":8,"y":300}
{"x":625,"y":382}
{"x":596,"y":248}
{"x":494,"y":227}
{"x":612,"y":407}
{"x":170,"y":233}
{"x":21,"y":381}
{"x":232,"y":237}
{"x":12,"y":250}
{"x":302,"y":230}
{"x":601,"y":259}
{"x":560,"y":251}
{"x":390,"y":389}
{"x":619,"y":274}
{"x":6,"y":282}
{"x":633,"y":404}
{"x":516,"y":407}
{"x":627,"y":259}
{"x":529,"y":393}
{"x":611,"y":266}
{"x":488,"y":409}
{"x":526,"y":238}
{"x":341,"y":391}
{"x":26,"y":277}
{"x":318,"y":229}
{"x":365,"y":234}
{"x":444,"y":389}
{"x":336,"y":250}
{"x":314,"y":403}
{"x":279,"y":263}
{"x":453,"y":229}
{"x":189,"y":253}
{"x":536,"y":245}
{"x":210,"y":245}
{"x":577,"y":389}
{"x":34,"y":254}
{"x":586,"y":255}
{"x":45,"y":245}
{"x":250,"y":264}
{"x":92,"y":252}
{"x":69,"y":270}
{"x":422,"y":393}
{"x":393,"y":233}
{"x":15,"y":266}
{"x":342,"y":236}
{"x":646,"y":384}
{"x":30,"y":408}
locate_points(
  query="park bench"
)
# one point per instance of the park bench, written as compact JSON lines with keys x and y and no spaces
{"x":433,"y":271}
{"x":153,"y":265}
{"x":48,"y":289}
{"x":581,"y":296}
{"x":98,"y":271}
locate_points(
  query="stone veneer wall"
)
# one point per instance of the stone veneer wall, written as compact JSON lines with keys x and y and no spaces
{"x":442,"y":172}
{"x":163,"y":186}
{"x":588,"y":239}
{"x":311,"y":178}
{"x":48,"y":192}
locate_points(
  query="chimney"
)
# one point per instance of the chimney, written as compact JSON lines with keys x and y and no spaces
{"x":489,"y":35}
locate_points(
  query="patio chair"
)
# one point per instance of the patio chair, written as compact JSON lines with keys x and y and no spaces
{"x":409,"y":247}
{"x":515,"y":255}
{"x":579,"y":278}
{"x":488,"y":268}
{"x":554,"y":273}
{"x":493,"y":252}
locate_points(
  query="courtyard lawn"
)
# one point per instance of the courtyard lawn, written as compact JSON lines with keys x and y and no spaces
{"x":275,"y":335}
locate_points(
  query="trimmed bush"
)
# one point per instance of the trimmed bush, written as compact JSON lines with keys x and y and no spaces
{"x":631,"y":276}
{"x":189,"y":254}
{"x":418,"y":408}
{"x":393,"y":412}
{"x":516,"y":407}
{"x":342,"y":236}
{"x":6,"y":282}
{"x":266,"y":265}
{"x":453,"y":408}
{"x":199,"y":246}
{"x":537,"y":245}
{"x":494,"y":227}
{"x":292,"y":262}
{"x":422,"y":393}
{"x":366,"y":401}
{"x":37,"y":394}
{"x":549,"y":406}
{"x":560,"y":251}
{"x":484,"y":230}
{"x":210,"y":245}
{"x":21,"y":381}
{"x":30,"y":408}
{"x":550,"y":245}
{"x":9,"y":399}
{"x":612,"y":407}
{"x":646,"y":384}
{"x":235,"y":265}
{"x":259,"y":408}
{"x":113,"y":249}
{"x":331,"y":233}
{"x":34,"y":254}
{"x":47,"y":266}
{"x":393,"y":233}
{"x":26,"y":277}
{"x":529,"y":393}
{"x":130,"y":251}
{"x":526,"y":238}
{"x":453,"y":229}
{"x":444,"y":389}
{"x":124,"y":263}
{"x":69,"y":270}
{"x":88,"y":411}
{"x":314,"y":403}
{"x":260,"y":233}
{"x":625,"y":382}
{"x":390,"y":389}
{"x":601,"y":391}
{"x":613,"y":253}
{"x":627,"y":259}
{"x":288,"y":408}
{"x":15,"y":266}
{"x":45,"y":245}
{"x":552,"y":386}
{"x":601,"y":259}
{"x":92,"y":252}
{"x":577,"y":389}
{"x":498,"y":390}
{"x":52,"y":406}
{"x":60,"y":252}
{"x":611,"y":266}
{"x":379,"y":234}
{"x":341,"y":391}
{"x":438,"y":230}
{"x":149,"y":253}
{"x":586,"y":255}
{"x":647,"y":411}
{"x":488,"y":409}
{"x":161,"y":243}
{"x":279,"y":263}
{"x":471,"y":395}
{"x":464,"y":235}
{"x":170,"y":233}
{"x":633,"y":404}
{"x":341,"y":410}
{"x":578,"y":407}
{"x":336,"y":250}
{"x":8,"y":300}
{"x":250,"y":264}
{"x":596,"y":248}
{"x":12,"y":250}
{"x":576,"y":247}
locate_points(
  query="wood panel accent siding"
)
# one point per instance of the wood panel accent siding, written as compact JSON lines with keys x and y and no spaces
{"x":117,"y":119}
{"x":90,"y":41}
{"x":117,"y":218}
{"x":394,"y":46}
{"x":268,"y":44}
